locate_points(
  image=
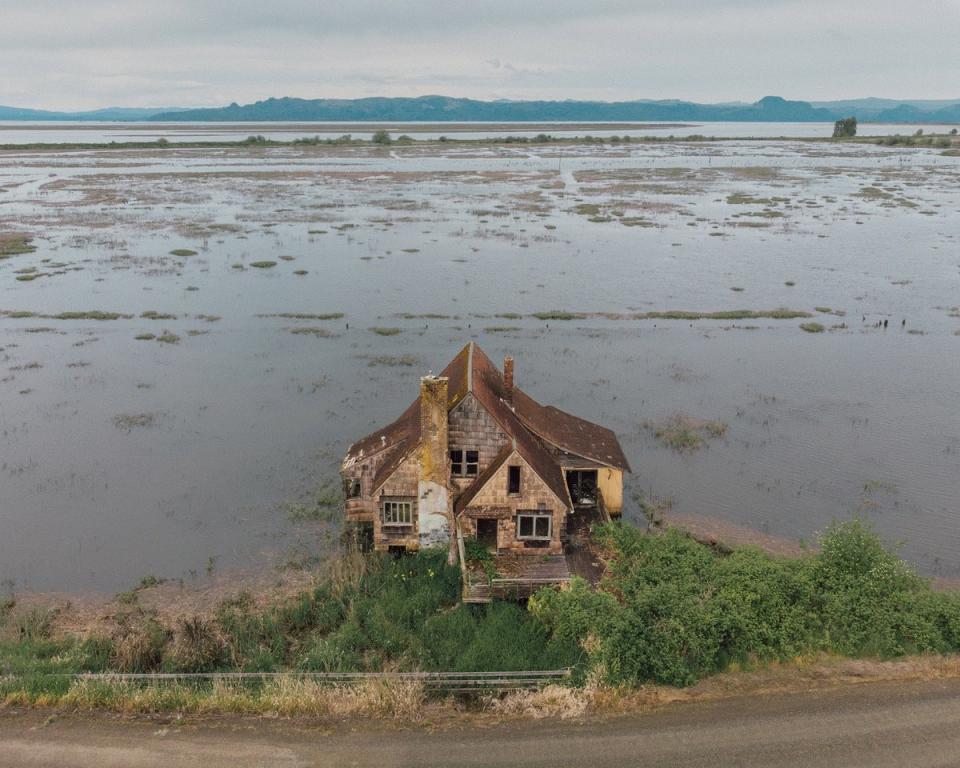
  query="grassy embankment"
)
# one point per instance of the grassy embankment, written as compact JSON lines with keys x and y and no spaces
{"x":669,"y":611}
{"x":941,"y":141}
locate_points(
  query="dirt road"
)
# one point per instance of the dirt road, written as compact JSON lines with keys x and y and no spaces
{"x":913,"y":724}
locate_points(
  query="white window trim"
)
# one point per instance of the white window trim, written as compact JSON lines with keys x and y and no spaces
{"x":399,"y":503}
{"x":535,"y":515}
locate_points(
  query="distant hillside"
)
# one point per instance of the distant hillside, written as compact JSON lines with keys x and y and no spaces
{"x":872,"y":109}
{"x":118,"y":114}
{"x":445,"y":109}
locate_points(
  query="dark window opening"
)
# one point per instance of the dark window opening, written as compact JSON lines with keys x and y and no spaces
{"x":513,"y":480}
{"x":487,"y":532}
{"x":583,"y":486}
{"x":534,"y":526}
{"x":464,"y":463}
{"x":473,"y":463}
{"x":353,"y":488}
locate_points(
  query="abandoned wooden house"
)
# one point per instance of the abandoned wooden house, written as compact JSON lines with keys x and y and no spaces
{"x":474,"y":456}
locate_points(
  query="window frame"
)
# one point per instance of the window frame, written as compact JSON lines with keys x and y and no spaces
{"x":535,"y":516}
{"x":397,"y":505}
{"x":461,"y":464}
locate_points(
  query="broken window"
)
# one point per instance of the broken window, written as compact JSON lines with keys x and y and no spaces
{"x":513,"y":480}
{"x":397,"y":512}
{"x":464,"y":463}
{"x":582,"y":484}
{"x":534,"y":526}
{"x":353,"y":488}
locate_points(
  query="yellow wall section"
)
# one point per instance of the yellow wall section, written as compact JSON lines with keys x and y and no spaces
{"x":610,"y":482}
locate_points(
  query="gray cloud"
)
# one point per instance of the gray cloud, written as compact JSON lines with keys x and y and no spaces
{"x":69,"y":54}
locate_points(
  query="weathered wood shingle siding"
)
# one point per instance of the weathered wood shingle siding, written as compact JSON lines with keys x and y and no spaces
{"x":473,"y":428}
{"x":533,"y":493}
{"x":401,"y":484}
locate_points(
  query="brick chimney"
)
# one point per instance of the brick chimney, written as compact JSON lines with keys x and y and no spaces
{"x":434,"y":512}
{"x":508,"y":379}
{"x":433,"y":429}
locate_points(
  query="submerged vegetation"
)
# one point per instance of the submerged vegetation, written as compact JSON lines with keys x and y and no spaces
{"x":15,"y":245}
{"x":686,"y":434}
{"x":383,"y":138}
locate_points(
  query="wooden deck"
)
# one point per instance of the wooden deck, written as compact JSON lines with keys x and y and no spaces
{"x":518,"y":577}
{"x":581,"y":558}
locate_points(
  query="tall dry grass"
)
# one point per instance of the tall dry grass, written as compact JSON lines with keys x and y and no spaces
{"x":285,"y":696}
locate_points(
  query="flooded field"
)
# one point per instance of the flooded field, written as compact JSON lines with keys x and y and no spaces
{"x":190,"y":339}
{"x":66,"y":132}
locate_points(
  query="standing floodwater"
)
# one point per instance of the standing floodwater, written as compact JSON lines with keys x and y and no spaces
{"x":198,"y":334}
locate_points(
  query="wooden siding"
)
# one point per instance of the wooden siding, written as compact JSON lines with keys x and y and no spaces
{"x":493,"y":498}
{"x":472,"y":428}
{"x":401,"y":484}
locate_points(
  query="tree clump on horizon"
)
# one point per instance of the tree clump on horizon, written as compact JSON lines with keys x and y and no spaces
{"x":845,"y":128}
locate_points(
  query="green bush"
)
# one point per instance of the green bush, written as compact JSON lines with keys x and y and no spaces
{"x":495,"y":636}
{"x":668,"y":610}
{"x":871,"y":602}
{"x":672,"y":610}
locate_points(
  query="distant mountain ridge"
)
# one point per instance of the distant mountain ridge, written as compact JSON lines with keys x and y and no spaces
{"x":448,"y":109}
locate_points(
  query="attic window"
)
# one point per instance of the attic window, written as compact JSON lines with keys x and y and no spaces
{"x":513,"y":480}
{"x":353,"y":488}
{"x":464,"y":463}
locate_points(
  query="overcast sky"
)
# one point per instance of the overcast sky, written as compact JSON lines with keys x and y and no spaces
{"x":79,"y":54}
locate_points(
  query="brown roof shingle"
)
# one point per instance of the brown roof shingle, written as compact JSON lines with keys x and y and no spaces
{"x":570,"y":433}
{"x":528,"y":423}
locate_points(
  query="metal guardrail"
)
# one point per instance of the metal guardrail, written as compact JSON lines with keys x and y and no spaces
{"x":449,"y":682}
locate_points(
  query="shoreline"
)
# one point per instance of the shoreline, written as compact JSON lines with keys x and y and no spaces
{"x":87,"y":612}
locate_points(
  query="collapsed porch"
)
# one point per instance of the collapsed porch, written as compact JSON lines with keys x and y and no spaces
{"x":513,"y":576}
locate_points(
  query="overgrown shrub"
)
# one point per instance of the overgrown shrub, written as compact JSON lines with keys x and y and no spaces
{"x":672,"y":610}
{"x":496,"y":636}
{"x":29,"y":624}
{"x":139,"y":646}
{"x":197,"y":645}
{"x":870,"y":601}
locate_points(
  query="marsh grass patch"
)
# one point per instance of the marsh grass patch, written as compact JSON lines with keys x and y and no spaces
{"x":320,"y":333}
{"x":686,"y":434}
{"x":131,"y":421}
{"x":306,"y":315}
{"x":152,"y":314}
{"x":15,"y":245}
{"x":393,"y":361}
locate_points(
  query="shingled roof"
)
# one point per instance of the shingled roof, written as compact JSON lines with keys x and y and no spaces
{"x":530,"y":425}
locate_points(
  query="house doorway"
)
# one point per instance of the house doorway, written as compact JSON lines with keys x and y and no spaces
{"x":487,"y":532}
{"x":583,"y":487}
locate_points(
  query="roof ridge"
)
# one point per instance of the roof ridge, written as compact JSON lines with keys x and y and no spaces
{"x":470,"y":367}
